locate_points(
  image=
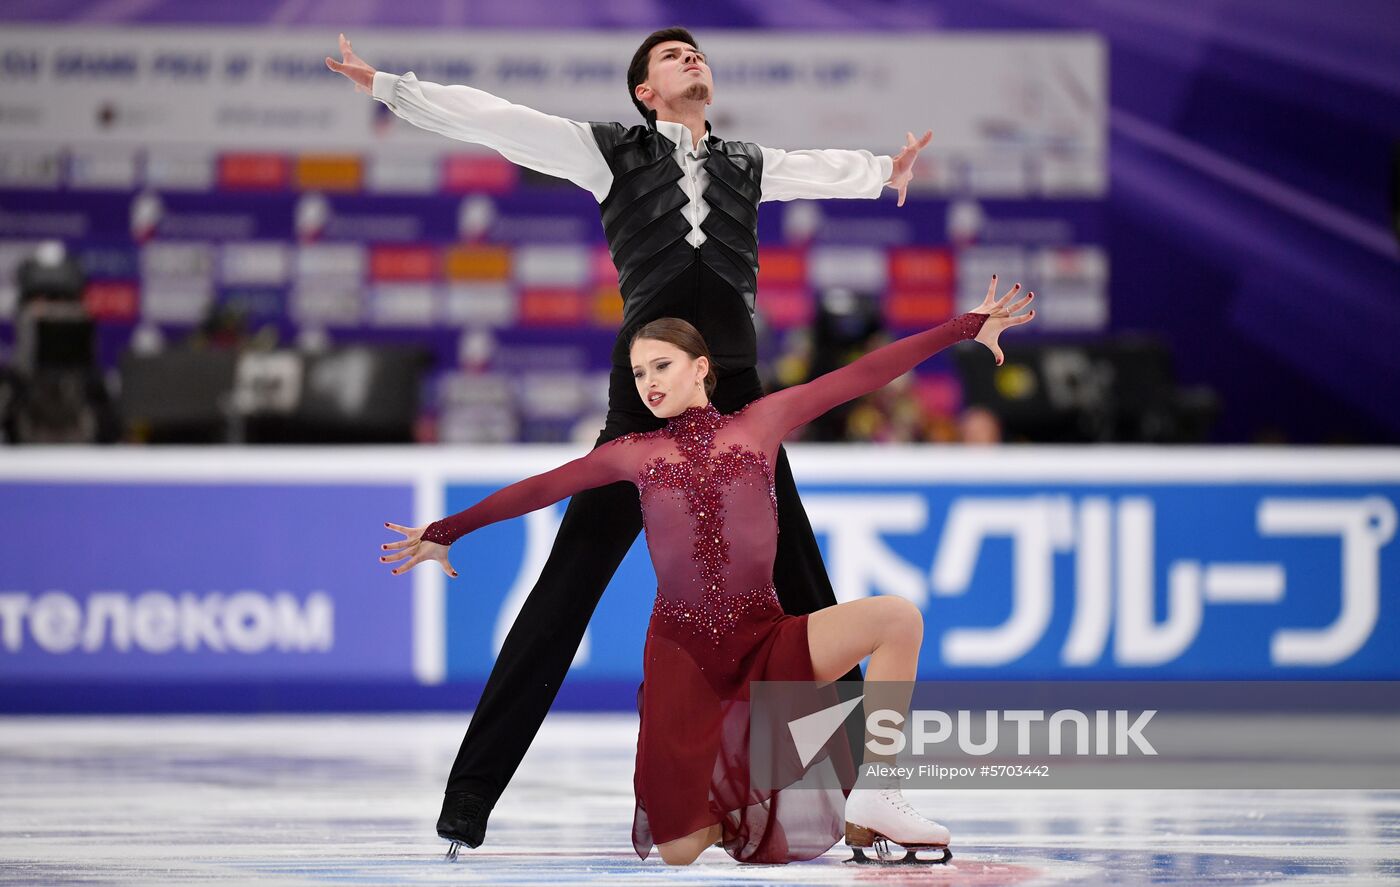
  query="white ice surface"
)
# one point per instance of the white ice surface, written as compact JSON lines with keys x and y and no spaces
{"x":353,"y":800}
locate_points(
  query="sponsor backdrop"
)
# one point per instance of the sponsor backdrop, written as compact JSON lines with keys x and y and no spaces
{"x":193,"y":170}
{"x":138,"y":570}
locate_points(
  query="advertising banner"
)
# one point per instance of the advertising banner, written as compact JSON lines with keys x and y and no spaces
{"x":156,"y":581}
{"x":1041,"y":563}
{"x":1096,"y":565}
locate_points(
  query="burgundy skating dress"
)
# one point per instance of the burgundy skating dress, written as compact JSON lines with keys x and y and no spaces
{"x":706,"y":488}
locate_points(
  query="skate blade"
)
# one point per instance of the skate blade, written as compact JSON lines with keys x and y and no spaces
{"x":911,"y":857}
{"x":860,"y":839}
{"x":452,"y":849}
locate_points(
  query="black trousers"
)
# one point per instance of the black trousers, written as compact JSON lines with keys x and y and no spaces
{"x":599,"y":527}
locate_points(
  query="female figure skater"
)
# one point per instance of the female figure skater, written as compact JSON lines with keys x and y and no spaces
{"x":706,"y":486}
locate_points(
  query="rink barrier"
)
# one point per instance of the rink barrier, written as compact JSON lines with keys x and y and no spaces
{"x":246,"y":579}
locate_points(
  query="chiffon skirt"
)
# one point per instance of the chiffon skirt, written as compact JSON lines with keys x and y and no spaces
{"x":693,"y":747}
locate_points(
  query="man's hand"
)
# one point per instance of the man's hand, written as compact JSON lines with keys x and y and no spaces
{"x":903,"y":162}
{"x":354,"y":67}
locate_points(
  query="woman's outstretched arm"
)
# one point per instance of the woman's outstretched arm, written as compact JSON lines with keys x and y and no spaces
{"x":609,"y":463}
{"x":790,"y":408}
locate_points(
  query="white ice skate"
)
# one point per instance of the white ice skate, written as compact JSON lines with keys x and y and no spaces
{"x":879,"y":817}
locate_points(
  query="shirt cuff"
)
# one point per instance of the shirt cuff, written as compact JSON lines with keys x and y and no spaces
{"x":885,"y":161}
{"x":384,"y":86}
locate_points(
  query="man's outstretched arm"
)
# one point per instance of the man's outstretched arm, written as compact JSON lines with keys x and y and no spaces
{"x":552,"y":145}
{"x":823,"y":172}
{"x":835,"y":172}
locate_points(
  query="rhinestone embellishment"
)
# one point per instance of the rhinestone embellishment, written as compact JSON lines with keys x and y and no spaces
{"x":702,"y":477}
{"x":717,"y":615}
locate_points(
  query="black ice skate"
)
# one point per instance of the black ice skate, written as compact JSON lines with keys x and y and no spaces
{"x":463,"y":821}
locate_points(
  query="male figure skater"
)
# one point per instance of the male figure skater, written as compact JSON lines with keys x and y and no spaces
{"x":680,"y":210}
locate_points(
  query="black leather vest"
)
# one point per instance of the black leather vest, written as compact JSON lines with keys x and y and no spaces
{"x":644,"y":215}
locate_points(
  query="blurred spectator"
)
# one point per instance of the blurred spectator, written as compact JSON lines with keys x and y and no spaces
{"x":889,"y":415}
{"x":979,"y":426}
{"x":53,"y":392}
{"x":229,"y":325}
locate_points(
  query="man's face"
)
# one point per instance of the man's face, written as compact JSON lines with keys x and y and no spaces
{"x":676,"y":71}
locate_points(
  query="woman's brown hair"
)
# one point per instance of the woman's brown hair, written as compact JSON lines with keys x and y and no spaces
{"x":680,"y":333}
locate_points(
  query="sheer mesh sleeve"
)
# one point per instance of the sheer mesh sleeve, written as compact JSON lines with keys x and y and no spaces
{"x":609,"y":463}
{"x":781,"y":412}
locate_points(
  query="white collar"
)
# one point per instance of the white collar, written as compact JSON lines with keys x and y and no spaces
{"x":680,"y":134}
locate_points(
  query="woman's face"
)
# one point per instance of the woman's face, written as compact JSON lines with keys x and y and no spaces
{"x":668,"y":380}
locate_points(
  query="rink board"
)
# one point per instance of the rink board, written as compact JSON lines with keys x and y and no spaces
{"x":200,"y":574}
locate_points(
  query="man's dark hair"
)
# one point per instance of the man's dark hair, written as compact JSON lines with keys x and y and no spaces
{"x":637,"y":72}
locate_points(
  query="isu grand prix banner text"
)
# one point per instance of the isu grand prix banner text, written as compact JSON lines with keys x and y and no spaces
{"x":271,"y":90}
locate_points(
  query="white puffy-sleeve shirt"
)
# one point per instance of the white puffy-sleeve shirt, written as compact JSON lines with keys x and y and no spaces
{"x":561,"y":147}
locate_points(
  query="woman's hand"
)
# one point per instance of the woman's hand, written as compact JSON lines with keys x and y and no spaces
{"x":416,"y":549}
{"x":1000,"y":315}
{"x":352,"y":66}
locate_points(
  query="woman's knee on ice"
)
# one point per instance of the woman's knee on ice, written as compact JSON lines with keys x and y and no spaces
{"x":680,"y":852}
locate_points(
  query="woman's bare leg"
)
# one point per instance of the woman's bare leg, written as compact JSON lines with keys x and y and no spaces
{"x":890,"y":631}
{"x":684,"y":851}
